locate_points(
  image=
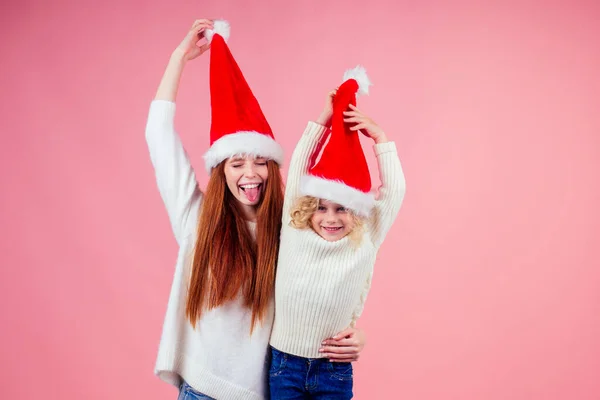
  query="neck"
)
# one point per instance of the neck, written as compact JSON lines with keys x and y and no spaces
{"x":249,"y":212}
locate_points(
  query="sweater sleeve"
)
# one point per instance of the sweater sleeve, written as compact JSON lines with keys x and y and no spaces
{"x":299,"y":165}
{"x":174,"y":174}
{"x":391,"y":191}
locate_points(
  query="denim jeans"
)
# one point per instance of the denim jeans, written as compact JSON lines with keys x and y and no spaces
{"x":292,"y":377}
{"x":186,"y":392}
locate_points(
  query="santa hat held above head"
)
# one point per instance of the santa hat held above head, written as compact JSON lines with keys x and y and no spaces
{"x":338,"y":170}
{"x":238,"y":125}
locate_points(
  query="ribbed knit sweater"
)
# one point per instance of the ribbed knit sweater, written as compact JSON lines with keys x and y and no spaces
{"x":321,"y":286}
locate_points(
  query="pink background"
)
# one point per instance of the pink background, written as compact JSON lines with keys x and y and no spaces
{"x":488,"y":286}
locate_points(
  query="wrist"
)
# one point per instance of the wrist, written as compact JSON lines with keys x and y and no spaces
{"x":382,"y":138}
{"x":324,"y":119}
{"x":178,"y":56}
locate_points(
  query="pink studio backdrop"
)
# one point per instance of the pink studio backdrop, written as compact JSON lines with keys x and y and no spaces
{"x":488,"y":286}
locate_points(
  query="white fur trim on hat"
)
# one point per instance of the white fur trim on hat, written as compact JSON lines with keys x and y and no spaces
{"x":359,"y":74}
{"x":338,"y":192}
{"x":221,"y":27}
{"x":243,"y":143}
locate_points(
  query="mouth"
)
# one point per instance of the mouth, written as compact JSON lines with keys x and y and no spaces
{"x":332,"y":229}
{"x":251,"y":190}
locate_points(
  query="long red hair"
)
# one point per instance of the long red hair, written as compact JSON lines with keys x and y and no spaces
{"x":226,"y":257}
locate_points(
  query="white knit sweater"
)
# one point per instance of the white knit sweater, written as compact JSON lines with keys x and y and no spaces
{"x":219,"y":358}
{"x":321,"y":286}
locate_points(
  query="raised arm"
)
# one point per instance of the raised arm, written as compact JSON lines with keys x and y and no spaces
{"x":393,"y":184}
{"x":391,"y":191}
{"x":174,"y":174}
{"x":302,"y":154}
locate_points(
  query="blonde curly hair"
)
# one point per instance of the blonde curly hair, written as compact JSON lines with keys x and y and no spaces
{"x":304,"y":208}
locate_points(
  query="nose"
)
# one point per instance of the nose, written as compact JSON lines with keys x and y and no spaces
{"x":331,"y":217}
{"x":250,"y":171}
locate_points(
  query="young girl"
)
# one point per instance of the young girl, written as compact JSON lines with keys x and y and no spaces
{"x":214,"y":343}
{"x":332,"y":230}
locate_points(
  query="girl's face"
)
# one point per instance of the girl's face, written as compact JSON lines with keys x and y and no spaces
{"x":246,"y":178}
{"x":331,"y":221}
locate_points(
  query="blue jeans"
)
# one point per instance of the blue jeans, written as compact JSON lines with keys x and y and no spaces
{"x":292,"y":377}
{"x":186,"y":392}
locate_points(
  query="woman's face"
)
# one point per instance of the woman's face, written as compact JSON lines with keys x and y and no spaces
{"x":246,"y":177}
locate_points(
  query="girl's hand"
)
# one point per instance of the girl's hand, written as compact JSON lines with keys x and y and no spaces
{"x":366,"y":125}
{"x":345,"y":346}
{"x":189,"y":48}
{"x":325,"y":117}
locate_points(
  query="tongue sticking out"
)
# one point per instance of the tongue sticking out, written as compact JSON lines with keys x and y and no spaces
{"x":252,"y":193}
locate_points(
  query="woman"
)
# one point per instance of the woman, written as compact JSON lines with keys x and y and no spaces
{"x":215,"y":335}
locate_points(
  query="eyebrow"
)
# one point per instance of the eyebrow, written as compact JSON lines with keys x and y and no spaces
{"x":244,"y":159}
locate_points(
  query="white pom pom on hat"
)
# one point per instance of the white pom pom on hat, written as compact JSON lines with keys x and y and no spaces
{"x":221,"y":27}
{"x":359,"y":74}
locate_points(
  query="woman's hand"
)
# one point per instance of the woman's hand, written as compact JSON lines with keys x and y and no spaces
{"x":345,"y":346}
{"x":366,"y":125}
{"x":189,"y":47}
{"x":187,"y":50}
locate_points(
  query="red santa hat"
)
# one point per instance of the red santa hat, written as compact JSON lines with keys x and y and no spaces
{"x":338,"y":169}
{"x":238,"y":126}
